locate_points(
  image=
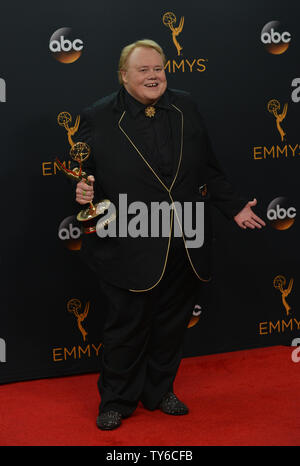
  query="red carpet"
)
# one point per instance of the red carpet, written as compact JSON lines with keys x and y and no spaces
{"x":240,"y":398}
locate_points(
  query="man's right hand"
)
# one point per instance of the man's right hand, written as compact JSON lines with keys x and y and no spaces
{"x":84,"y":191}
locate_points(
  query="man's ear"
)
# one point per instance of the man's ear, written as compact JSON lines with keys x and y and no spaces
{"x":124,"y":76}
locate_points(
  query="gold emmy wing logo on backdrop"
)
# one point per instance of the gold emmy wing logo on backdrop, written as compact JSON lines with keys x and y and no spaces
{"x":80,"y":351}
{"x":74,"y":307}
{"x":274,"y":107}
{"x":64,"y":119}
{"x":283,"y":149}
{"x":279,"y":283}
{"x":169,"y":20}
{"x":181,"y":63}
{"x":84,"y":350}
{"x":288,"y":323}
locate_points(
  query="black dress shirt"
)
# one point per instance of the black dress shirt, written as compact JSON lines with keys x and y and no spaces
{"x":155,"y":132}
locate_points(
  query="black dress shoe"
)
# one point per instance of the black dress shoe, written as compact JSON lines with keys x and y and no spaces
{"x":171,"y":405}
{"x":109,"y":420}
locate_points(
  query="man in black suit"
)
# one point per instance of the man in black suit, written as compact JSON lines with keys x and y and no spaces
{"x":150,"y":143}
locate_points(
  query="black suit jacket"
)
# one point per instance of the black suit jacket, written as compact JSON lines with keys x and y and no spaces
{"x":120,"y":165}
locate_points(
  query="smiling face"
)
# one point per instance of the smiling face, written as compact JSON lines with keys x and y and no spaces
{"x":144,"y":77}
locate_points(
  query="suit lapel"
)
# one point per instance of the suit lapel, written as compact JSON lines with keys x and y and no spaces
{"x":138,"y":145}
{"x":176,"y":120}
{"x":176,"y":117}
{"x":128,"y":127}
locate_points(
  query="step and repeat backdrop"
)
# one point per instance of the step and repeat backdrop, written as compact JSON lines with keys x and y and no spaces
{"x":240,"y":62}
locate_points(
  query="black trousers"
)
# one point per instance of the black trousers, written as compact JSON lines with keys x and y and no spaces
{"x":143,"y":336}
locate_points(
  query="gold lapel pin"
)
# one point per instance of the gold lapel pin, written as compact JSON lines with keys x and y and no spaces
{"x":150,"y":111}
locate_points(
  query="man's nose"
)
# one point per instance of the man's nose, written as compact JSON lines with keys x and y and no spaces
{"x":152,"y":74}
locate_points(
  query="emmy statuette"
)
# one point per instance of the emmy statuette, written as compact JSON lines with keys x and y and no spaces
{"x":80,"y":152}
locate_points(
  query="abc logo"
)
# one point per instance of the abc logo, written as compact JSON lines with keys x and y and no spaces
{"x":195,"y":316}
{"x":70,"y":233}
{"x":281,"y":214}
{"x":64,"y":47}
{"x":274,"y":39}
